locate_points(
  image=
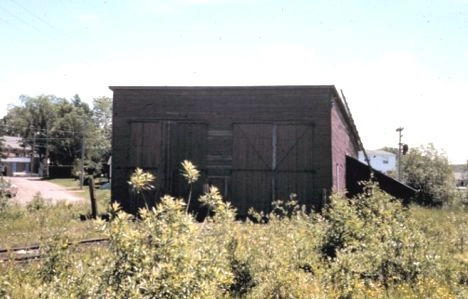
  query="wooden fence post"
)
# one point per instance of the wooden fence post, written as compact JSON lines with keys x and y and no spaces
{"x":92,"y":198}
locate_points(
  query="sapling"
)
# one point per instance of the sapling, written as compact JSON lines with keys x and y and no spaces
{"x":191,"y":174}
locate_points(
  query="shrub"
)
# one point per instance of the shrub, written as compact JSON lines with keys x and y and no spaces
{"x":429,"y":171}
{"x":365,"y":247}
{"x":372,"y":238}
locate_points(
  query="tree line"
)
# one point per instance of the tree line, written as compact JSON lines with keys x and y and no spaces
{"x":60,"y":130}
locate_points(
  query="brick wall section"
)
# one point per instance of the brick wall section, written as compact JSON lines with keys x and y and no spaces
{"x":342,"y":144}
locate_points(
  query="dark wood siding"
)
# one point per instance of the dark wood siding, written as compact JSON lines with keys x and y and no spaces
{"x":231,"y":133}
{"x":187,"y":141}
{"x":147,"y":154}
{"x":160,"y":147}
{"x":252,"y":162}
{"x":271,"y":162}
{"x":296,"y":163}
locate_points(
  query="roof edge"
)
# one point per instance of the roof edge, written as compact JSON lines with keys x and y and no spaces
{"x":168,"y":87}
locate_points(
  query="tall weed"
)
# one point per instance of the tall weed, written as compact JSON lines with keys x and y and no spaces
{"x":366,"y":247}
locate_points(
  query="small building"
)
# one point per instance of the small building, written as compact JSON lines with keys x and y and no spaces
{"x":15,"y":156}
{"x":460,"y":174}
{"x":256,"y":143}
{"x":10,"y":166}
{"x":380,"y":160}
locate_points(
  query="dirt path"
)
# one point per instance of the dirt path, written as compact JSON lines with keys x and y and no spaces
{"x":30,"y":186}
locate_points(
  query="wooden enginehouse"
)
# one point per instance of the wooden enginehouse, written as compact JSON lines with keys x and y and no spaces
{"x":257,"y":144}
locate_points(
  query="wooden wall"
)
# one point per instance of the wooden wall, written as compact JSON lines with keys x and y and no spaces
{"x":256,"y":144}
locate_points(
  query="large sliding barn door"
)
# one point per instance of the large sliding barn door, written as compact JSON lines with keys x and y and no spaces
{"x":270,"y":162}
{"x":160,"y":147}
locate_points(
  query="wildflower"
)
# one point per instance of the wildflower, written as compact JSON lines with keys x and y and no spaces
{"x":212,"y":198}
{"x":190,"y":172}
{"x":141,"y":180}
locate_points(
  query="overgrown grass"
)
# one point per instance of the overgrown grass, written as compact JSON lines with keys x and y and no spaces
{"x":20,"y":226}
{"x":67,"y":182}
{"x":446,"y":227}
{"x":38,"y":221}
{"x":102,"y":195}
{"x":369,"y":247}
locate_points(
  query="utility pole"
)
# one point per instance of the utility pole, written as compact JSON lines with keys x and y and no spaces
{"x":46,"y":158}
{"x":32,"y":151}
{"x":82,"y":161}
{"x":399,"y":130}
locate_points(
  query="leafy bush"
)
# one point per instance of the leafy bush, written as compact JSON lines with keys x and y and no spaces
{"x":366,"y":247}
{"x":429,"y":171}
{"x":373,"y":239}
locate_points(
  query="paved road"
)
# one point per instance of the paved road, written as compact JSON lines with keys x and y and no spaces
{"x":30,"y":186}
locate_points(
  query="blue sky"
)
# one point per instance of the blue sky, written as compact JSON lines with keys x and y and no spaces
{"x":400,"y":63}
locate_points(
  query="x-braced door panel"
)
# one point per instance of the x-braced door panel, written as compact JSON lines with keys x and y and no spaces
{"x":270,"y":162}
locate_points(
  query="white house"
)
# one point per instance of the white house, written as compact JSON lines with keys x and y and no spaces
{"x":380,"y":160}
{"x":10,"y":166}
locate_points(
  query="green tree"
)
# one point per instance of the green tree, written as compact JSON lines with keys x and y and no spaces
{"x":70,"y":127}
{"x":102,"y":115}
{"x":100,"y":148}
{"x":32,"y":120}
{"x":429,"y":171}
{"x":56,"y":128}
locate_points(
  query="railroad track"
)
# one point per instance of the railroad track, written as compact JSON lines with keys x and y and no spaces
{"x":33,"y":252}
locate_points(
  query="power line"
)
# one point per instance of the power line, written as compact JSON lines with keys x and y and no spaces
{"x":20,"y":19}
{"x":8,"y":23}
{"x":4,"y":126}
{"x":38,"y":17}
{"x":24,"y":21}
{"x":49,"y":138}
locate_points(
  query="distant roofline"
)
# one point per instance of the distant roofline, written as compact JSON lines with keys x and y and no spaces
{"x":14,"y":142}
{"x":380,"y":152}
{"x":16,"y":159}
{"x":222,"y":87}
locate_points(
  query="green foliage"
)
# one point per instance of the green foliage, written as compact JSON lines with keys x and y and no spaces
{"x":37,"y":203}
{"x":372,"y":238}
{"x":429,"y":171}
{"x":102,"y":111}
{"x":141,"y":180}
{"x":366,"y":247}
{"x":55,"y":128}
{"x":20,"y":226}
{"x":190,"y":172}
{"x":191,"y":175}
{"x":3,"y":203}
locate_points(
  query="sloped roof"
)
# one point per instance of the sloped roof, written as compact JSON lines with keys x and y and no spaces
{"x":13,"y":142}
{"x":379,"y":153}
